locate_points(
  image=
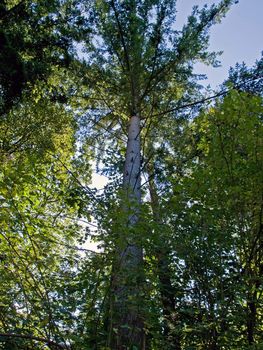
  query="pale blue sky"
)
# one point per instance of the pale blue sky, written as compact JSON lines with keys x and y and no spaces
{"x":239,"y":35}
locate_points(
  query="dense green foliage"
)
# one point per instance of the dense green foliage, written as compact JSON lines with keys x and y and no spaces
{"x":34,"y":37}
{"x":200,"y":223}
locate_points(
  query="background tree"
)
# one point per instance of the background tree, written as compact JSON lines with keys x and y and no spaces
{"x":211,"y":191}
{"x":34,"y":37}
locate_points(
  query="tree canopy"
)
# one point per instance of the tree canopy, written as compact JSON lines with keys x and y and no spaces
{"x":178,"y":226}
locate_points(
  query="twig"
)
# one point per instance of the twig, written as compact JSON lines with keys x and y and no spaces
{"x":49,"y":342}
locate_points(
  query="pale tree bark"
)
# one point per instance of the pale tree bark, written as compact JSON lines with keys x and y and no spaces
{"x":167,"y":291}
{"x":127,"y":331}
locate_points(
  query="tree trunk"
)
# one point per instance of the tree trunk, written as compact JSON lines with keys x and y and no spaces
{"x":251,"y":321}
{"x":167,"y":292}
{"x":127,"y":279}
{"x":254,"y":286}
{"x":254,"y":273}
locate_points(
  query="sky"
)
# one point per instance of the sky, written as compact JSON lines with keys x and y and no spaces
{"x":239,"y":36}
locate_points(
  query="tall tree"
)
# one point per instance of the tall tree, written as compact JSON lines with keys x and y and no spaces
{"x":138,"y":64}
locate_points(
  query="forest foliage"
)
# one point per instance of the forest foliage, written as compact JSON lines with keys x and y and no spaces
{"x":73,"y":74}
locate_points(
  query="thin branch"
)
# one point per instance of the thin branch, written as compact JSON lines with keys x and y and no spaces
{"x":50,"y":343}
{"x":219,"y":94}
{"x":192,"y":104}
{"x":121,"y":36}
